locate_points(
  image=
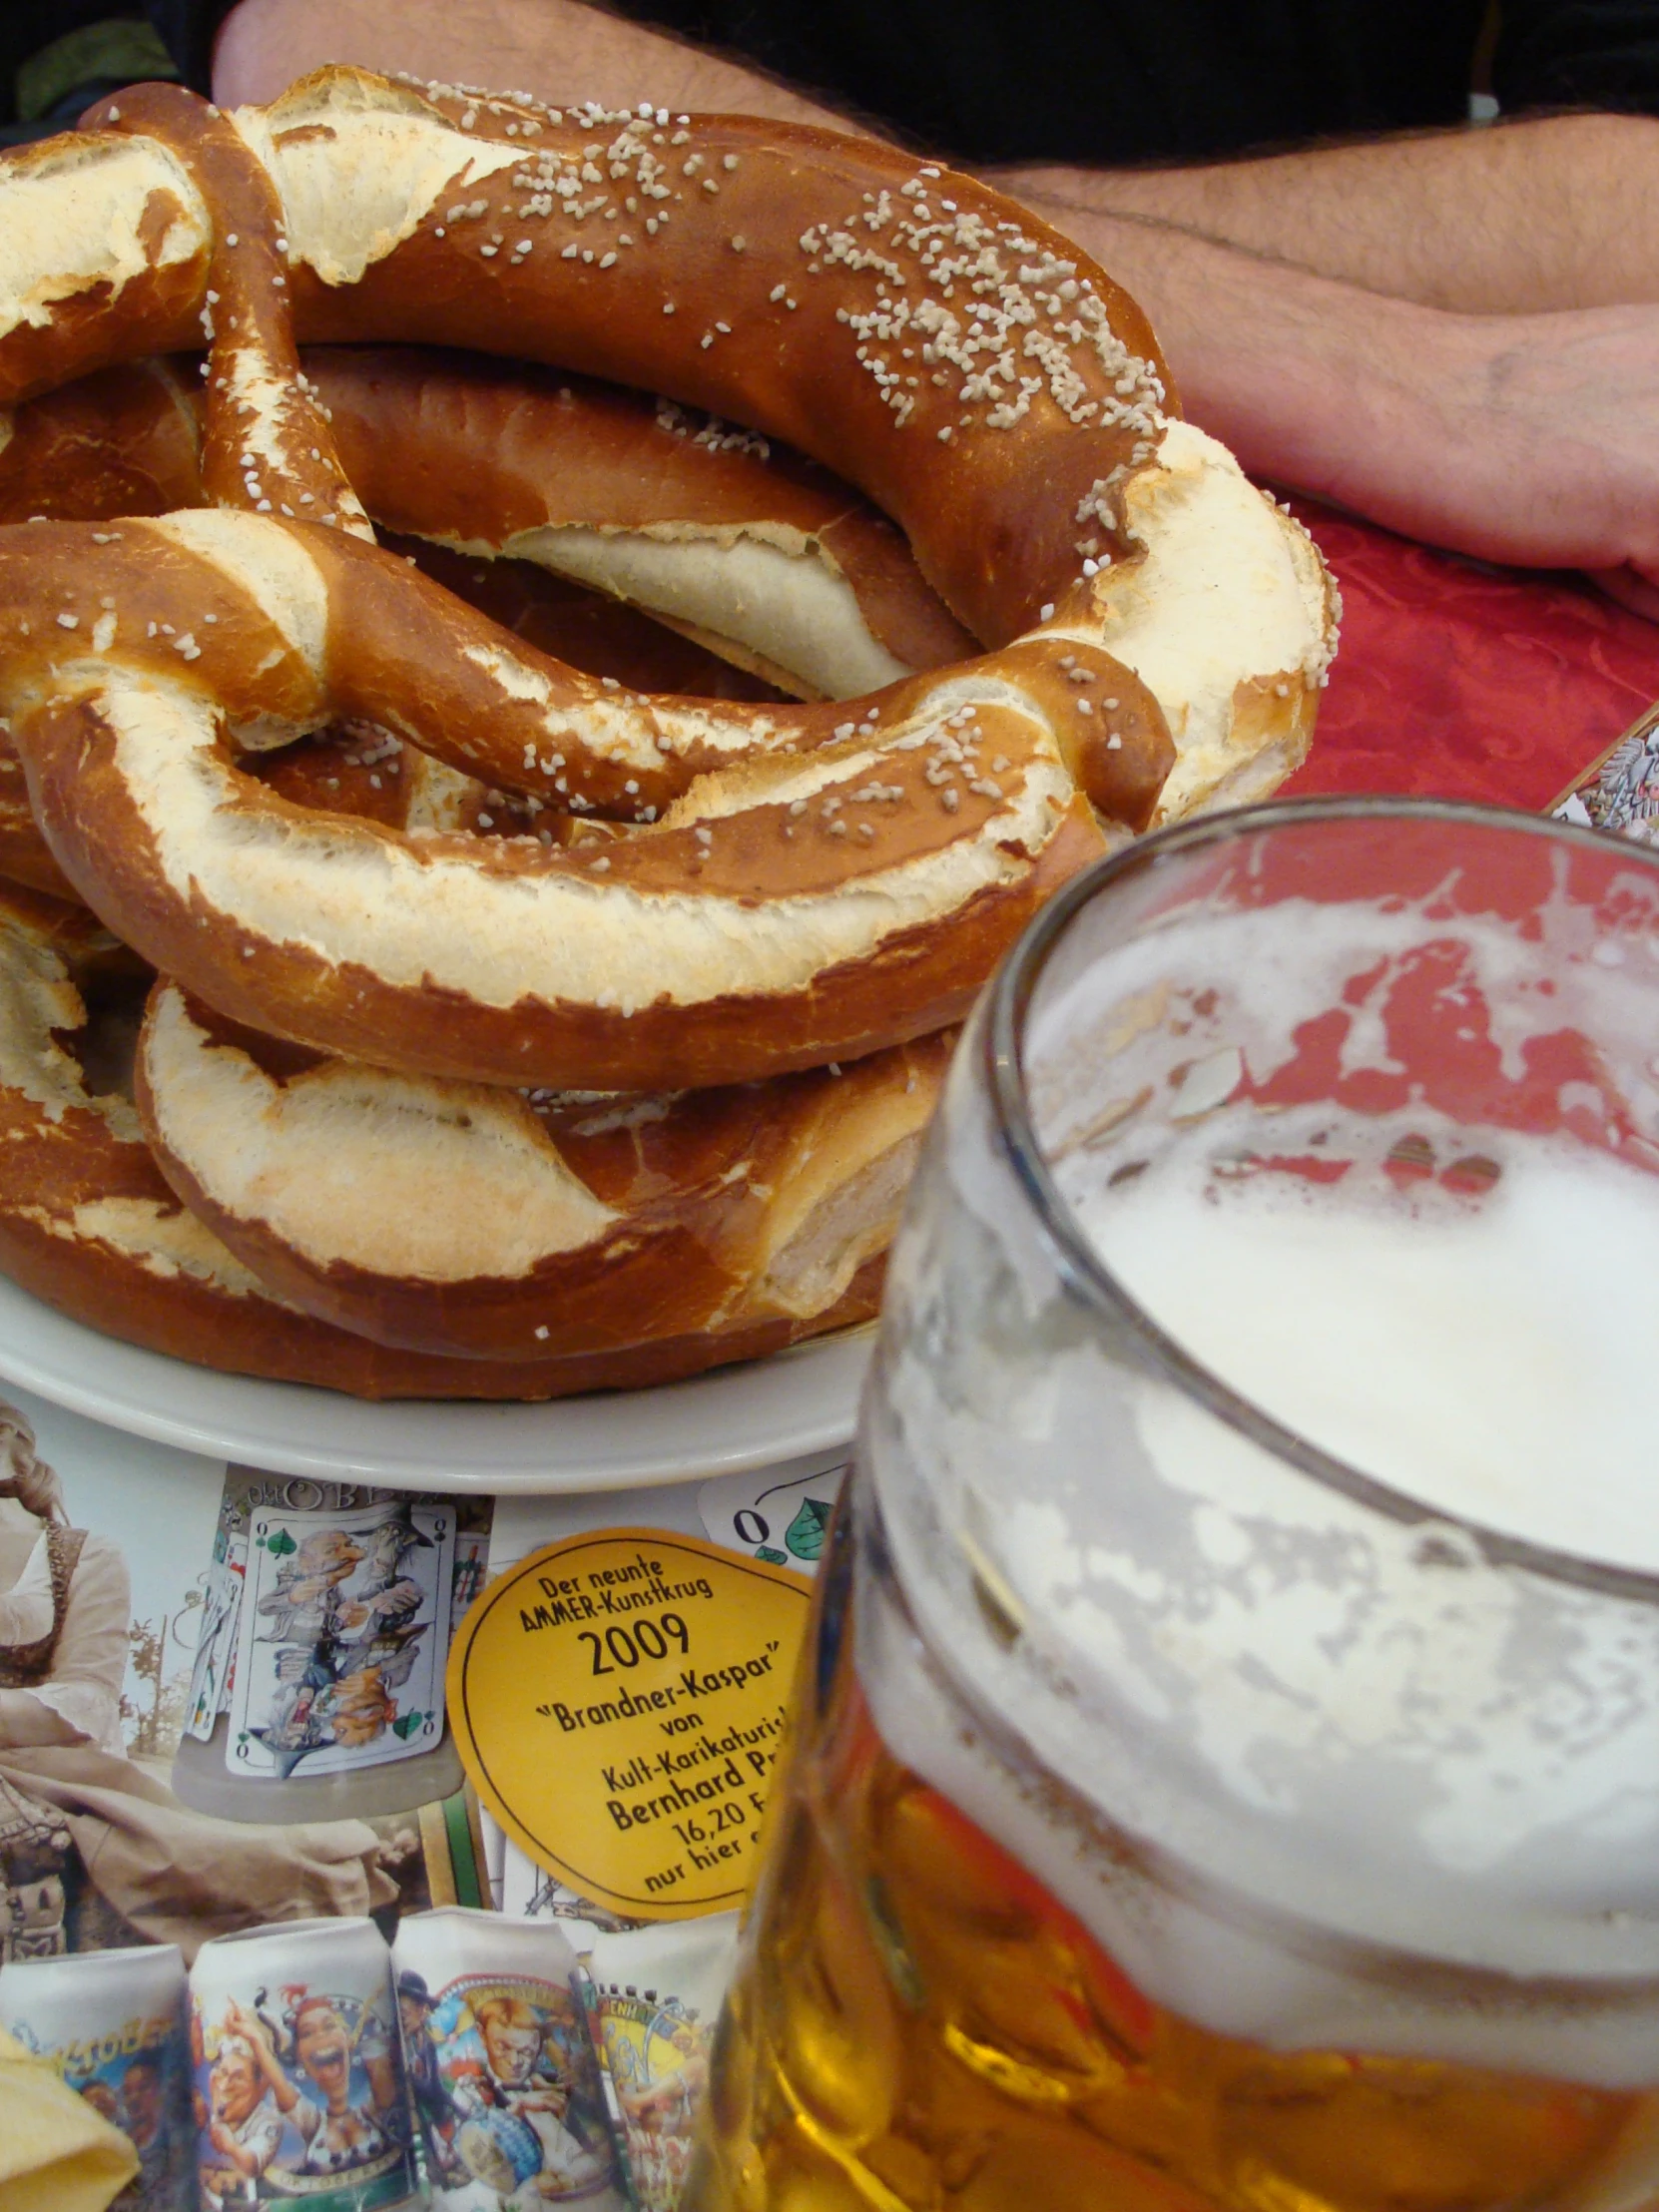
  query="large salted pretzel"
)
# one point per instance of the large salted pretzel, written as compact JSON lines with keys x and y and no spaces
{"x":684,"y":892}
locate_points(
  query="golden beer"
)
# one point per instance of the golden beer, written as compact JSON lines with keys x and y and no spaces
{"x":1226,"y":1765}
{"x":918,"y":2023}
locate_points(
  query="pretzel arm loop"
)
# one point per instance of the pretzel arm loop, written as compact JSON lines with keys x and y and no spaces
{"x":806,"y":910}
{"x":266,"y":444}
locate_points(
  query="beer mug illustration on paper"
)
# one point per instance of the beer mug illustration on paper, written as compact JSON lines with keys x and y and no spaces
{"x":298,"y":2076}
{"x":113,"y":2023}
{"x":653,"y":1997}
{"x":1226,"y":1775}
{"x":500,"y":2070}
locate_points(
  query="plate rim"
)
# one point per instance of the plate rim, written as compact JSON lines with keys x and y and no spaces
{"x":627,"y":1428}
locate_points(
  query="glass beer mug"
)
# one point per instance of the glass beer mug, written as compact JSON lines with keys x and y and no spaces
{"x":1225,"y":1768}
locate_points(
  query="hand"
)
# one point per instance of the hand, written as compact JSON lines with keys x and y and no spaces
{"x":542,"y":2101}
{"x":240,"y":2021}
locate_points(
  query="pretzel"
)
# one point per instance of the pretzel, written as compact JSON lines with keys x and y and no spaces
{"x":464,"y":1219}
{"x":725,"y":942}
{"x":126,"y":441}
{"x":536,"y":477}
{"x":379,"y":984}
{"x":769,"y":951}
{"x":87,"y":1223}
{"x":756,"y":555}
{"x":613,"y":467}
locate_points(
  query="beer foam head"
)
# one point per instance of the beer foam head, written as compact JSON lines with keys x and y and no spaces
{"x":1383,"y":1164}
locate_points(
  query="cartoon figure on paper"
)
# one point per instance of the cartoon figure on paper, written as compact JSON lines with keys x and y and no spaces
{"x":310,"y":2095}
{"x":657,"y":2053}
{"x":347,"y":1642}
{"x":512,"y":2115}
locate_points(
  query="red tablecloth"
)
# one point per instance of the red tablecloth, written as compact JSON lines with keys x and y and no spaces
{"x":1467,"y":682}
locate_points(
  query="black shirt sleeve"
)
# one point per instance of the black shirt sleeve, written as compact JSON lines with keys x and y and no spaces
{"x":1103,"y":81}
{"x":1578,"y":53}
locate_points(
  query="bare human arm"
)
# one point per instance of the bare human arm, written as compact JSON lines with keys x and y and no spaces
{"x":1512,"y":219}
{"x":1524,"y":439}
{"x":1530,"y":437}
{"x":555,"y":49}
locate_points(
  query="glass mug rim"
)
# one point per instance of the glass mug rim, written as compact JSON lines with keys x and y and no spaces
{"x":1089,"y":1282}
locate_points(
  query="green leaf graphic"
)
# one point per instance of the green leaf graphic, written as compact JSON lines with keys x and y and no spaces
{"x":279,"y":1543}
{"x":406,"y":1724}
{"x":805,"y":1533}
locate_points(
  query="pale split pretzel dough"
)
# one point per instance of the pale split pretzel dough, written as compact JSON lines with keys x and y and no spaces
{"x":565,"y":1225}
{"x":736,"y":892}
{"x":87,"y":1223}
{"x":763,"y":557}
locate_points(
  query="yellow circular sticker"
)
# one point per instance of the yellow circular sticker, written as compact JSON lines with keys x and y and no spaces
{"x":618,"y":1699}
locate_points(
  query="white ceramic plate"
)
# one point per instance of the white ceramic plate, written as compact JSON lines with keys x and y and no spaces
{"x":799,"y":1401}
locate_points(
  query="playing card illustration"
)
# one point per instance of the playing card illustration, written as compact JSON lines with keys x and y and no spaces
{"x":471,"y":1571}
{"x":343,"y":1637}
{"x":216,"y":1644}
{"x":782,"y":1522}
{"x":1621,"y":793}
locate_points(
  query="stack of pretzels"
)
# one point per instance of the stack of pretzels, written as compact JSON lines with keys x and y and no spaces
{"x":494,"y":834}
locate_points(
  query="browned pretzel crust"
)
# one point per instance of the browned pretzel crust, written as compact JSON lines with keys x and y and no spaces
{"x":88,"y":1224}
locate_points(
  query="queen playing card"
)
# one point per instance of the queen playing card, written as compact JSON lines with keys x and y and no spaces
{"x":343,"y":1638}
